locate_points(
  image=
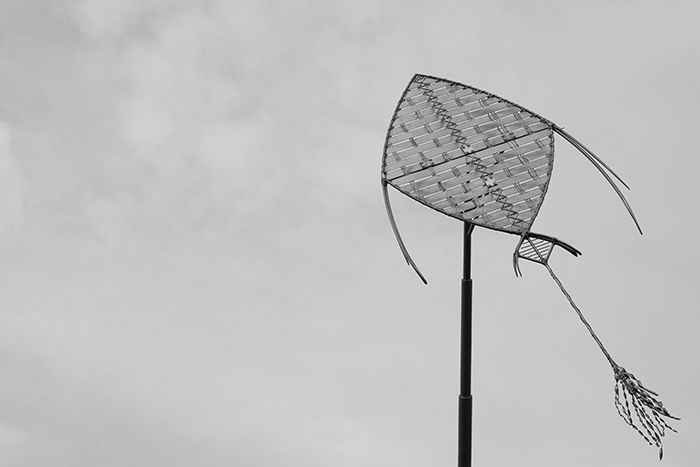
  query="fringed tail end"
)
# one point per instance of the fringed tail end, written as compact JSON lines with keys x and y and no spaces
{"x":641,"y":409}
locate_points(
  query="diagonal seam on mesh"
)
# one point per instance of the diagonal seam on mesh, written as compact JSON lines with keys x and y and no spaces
{"x":512,"y":214}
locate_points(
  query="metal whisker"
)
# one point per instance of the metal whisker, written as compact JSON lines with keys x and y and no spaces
{"x":648,"y":409}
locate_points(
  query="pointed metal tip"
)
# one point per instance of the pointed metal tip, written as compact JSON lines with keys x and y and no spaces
{"x":410,"y":262}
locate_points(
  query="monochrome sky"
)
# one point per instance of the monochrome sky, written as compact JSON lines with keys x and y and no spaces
{"x":196,"y":268}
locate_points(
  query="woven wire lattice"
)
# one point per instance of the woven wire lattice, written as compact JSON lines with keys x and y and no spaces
{"x":469,"y":154}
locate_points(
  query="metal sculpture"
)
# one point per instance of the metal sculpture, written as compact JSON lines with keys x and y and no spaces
{"x":486,"y":161}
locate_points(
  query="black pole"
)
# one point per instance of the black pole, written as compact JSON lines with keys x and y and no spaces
{"x":464,"y":438}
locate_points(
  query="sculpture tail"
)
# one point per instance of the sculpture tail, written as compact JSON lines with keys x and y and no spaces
{"x":639,"y":407}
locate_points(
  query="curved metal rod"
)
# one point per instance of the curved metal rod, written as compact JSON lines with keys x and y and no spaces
{"x":516,"y":263}
{"x":389,"y":212}
{"x":580,"y":145}
{"x":555,"y":241}
{"x":594,"y":160}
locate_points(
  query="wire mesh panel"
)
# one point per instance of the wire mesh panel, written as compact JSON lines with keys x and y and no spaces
{"x":535,"y":249}
{"x":469,"y":154}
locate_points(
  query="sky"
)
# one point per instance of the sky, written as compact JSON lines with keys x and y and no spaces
{"x":196,"y":267}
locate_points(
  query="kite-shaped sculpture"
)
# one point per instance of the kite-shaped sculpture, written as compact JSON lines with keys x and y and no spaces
{"x":484,"y":160}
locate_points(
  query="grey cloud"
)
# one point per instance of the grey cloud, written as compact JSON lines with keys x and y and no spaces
{"x":202,"y":273}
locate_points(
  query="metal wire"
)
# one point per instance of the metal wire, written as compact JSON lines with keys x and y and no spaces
{"x":647,"y":410}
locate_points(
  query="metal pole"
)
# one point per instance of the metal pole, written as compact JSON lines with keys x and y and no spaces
{"x":464,"y":438}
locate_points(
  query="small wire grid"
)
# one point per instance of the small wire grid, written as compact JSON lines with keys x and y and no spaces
{"x":535,"y":249}
{"x":469,"y":154}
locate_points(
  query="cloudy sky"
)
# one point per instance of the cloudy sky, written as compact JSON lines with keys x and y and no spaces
{"x":196,"y":268}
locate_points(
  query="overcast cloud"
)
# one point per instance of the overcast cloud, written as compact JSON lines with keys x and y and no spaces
{"x":196,"y":267}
